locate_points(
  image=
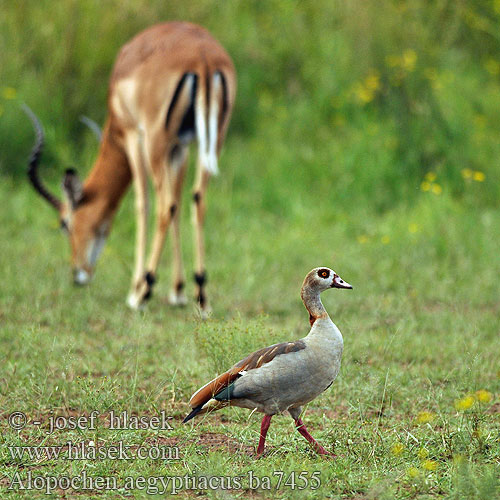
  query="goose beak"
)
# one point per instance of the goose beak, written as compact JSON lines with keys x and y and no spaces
{"x":338,"y":282}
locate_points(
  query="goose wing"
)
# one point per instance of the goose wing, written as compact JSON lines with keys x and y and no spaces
{"x":222,"y":383}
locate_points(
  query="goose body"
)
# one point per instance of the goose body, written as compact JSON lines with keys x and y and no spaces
{"x":295,"y":378}
{"x":286,"y":376}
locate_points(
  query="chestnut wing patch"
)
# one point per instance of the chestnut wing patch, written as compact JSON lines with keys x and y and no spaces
{"x":267,"y":354}
{"x":251,"y":362}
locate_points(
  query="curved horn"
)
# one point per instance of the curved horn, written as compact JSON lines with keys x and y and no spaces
{"x":36,"y":152}
{"x":92,"y":125}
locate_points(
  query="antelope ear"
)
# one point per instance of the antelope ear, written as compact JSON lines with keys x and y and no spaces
{"x":72,"y":187}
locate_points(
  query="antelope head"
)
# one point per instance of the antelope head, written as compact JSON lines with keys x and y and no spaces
{"x":82,"y":215}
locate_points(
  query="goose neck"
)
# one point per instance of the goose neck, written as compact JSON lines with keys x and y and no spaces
{"x":313,"y":304}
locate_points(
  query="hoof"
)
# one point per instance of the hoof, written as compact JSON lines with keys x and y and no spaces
{"x":81,"y":277}
{"x":177,"y":299}
{"x":135,"y":302}
{"x":141,"y":292}
{"x":205,"y":312}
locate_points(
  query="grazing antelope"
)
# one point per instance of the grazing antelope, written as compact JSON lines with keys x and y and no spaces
{"x":171,"y":84}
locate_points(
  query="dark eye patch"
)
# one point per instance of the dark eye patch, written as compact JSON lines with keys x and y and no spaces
{"x":323,"y":273}
{"x":64,"y":225}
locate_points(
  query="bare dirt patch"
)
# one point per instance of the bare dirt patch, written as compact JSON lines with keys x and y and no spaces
{"x":216,"y":441}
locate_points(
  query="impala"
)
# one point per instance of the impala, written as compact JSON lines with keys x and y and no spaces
{"x":171,"y":84}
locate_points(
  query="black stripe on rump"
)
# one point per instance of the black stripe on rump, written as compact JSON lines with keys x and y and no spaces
{"x":187,"y":126}
{"x":225,"y":98}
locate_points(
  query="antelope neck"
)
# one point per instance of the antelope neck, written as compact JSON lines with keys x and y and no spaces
{"x":110,"y":177}
{"x":313,"y":304}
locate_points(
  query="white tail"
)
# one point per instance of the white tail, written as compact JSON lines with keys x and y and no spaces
{"x":207,"y":143}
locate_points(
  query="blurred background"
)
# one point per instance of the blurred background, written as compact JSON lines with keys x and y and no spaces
{"x":368,"y":102}
{"x":364,"y":133}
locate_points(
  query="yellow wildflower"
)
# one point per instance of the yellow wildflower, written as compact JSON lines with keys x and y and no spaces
{"x":385,"y":239}
{"x":413,"y":472}
{"x":372,"y":81}
{"x":424,"y":417}
{"x":413,"y":228}
{"x":465,"y":403}
{"x":422,"y":453}
{"x":409,"y":59}
{"x":437,"y":189}
{"x":9,"y":93}
{"x":478,"y":176}
{"x":425,"y":186}
{"x":429,"y":465}
{"x":484,"y":396}
{"x":492,"y":67}
{"x":397,"y":449}
{"x":430,"y":176}
{"x":362,"y":239}
{"x":467,"y":173}
{"x":365,"y":95}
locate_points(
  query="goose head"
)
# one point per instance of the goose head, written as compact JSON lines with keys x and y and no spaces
{"x":323,"y":278}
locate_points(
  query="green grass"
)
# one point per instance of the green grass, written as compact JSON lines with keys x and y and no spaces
{"x":420,"y":327}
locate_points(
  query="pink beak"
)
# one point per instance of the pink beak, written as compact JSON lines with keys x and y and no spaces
{"x":338,"y":282}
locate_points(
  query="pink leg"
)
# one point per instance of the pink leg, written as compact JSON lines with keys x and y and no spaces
{"x":266,"y":422}
{"x":302,"y":429}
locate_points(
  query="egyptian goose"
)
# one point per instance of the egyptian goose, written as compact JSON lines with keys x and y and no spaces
{"x":283,"y":376}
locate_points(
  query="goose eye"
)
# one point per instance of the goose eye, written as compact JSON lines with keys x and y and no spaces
{"x":323,"y":273}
